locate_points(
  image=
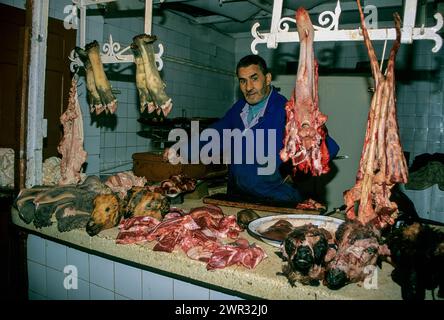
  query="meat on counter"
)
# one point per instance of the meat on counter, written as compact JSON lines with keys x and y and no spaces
{"x":198,"y":233}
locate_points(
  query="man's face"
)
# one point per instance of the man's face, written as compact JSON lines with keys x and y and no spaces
{"x":253,"y":83}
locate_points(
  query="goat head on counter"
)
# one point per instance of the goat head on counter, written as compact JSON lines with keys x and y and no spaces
{"x":307,"y":250}
{"x":143,"y":202}
{"x":108,"y":209}
{"x":358,"y":251}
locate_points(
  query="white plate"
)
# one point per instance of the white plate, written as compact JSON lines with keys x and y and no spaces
{"x":173,"y":195}
{"x":261,"y":224}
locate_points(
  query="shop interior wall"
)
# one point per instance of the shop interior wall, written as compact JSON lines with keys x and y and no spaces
{"x":198,"y":71}
{"x":419,"y":82}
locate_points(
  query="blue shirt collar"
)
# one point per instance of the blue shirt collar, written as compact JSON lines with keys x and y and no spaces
{"x":246,"y":108}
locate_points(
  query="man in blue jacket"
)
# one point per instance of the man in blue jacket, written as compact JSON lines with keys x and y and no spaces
{"x":261,"y":114}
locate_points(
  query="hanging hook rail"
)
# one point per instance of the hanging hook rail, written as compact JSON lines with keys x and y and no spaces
{"x":112,"y":52}
{"x":329,"y":29}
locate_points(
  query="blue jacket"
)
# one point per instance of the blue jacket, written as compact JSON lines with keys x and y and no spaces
{"x":244,"y":178}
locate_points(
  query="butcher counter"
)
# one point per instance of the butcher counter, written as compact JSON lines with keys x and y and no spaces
{"x":50,"y":252}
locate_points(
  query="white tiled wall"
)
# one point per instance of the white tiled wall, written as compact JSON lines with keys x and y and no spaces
{"x":110,"y":142}
{"x":101,"y":279}
{"x":195,"y":91}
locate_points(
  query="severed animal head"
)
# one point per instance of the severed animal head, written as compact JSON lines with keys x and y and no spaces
{"x":244,"y":217}
{"x":143,"y":202}
{"x":307,"y":249}
{"x":417,"y":253}
{"x":106,"y":214}
{"x":357,"y":256}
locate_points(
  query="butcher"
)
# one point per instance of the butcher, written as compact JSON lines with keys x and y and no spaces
{"x":261,"y":107}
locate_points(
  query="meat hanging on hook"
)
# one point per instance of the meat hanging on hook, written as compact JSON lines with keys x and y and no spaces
{"x":151,"y":88}
{"x":382,"y":163}
{"x":109,"y":102}
{"x":71,"y":145}
{"x":100,"y":95}
{"x":145,"y":99}
{"x":305,"y":133}
{"x":93,"y":96}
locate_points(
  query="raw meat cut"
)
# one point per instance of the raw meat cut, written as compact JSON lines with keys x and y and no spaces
{"x":382,"y":163}
{"x":71,"y":145}
{"x":149,"y":83}
{"x":305,"y":133}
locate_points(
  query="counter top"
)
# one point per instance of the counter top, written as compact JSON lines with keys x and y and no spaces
{"x":261,"y":282}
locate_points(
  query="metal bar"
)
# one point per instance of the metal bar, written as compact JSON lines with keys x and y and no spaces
{"x":82,"y":26}
{"x":113,"y":54}
{"x":148,"y":16}
{"x":408,"y":21}
{"x":276,"y":17}
{"x":279,"y":30}
{"x":92,"y":2}
{"x":37,"y":67}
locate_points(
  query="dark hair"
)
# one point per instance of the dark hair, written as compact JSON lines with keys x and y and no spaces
{"x":252,"y":59}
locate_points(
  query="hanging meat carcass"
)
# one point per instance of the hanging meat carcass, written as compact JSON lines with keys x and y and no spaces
{"x":149,"y":84}
{"x":71,"y":145}
{"x":382,"y":163}
{"x":95,"y":104}
{"x":100,"y":95}
{"x":305,"y":133}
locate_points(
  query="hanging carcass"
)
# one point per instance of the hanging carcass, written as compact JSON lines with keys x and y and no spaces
{"x":148,"y":81}
{"x":382,"y":163}
{"x":100,"y":95}
{"x":305,"y":133}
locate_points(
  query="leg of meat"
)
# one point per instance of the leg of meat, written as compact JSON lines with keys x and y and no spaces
{"x":305,"y":133}
{"x":93,"y":96}
{"x":146,"y":101}
{"x":155,"y":84}
{"x":382,"y":161}
{"x":102,"y":84}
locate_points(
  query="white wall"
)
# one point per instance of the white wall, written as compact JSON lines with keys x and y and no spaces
{"x":203,"y":87}
{"x":194,"y":90}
